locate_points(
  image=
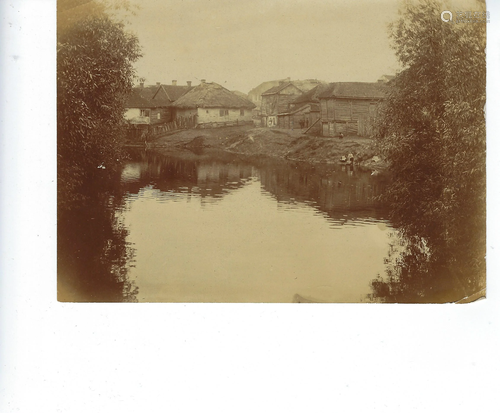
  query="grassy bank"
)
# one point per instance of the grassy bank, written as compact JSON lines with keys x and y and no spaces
{"x":281,"y":143}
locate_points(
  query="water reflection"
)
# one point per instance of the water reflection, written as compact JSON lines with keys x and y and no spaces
{"x":415,"y":273}
{"x":347,"y":196}
{"x":216,"y":227}
{"x":220,"y":228}
{"x":94,"y":256}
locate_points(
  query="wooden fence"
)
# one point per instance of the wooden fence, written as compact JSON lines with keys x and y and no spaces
{"x":146,"y":133}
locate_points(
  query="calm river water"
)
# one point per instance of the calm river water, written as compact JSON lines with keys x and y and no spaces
{"x":216,"y":227}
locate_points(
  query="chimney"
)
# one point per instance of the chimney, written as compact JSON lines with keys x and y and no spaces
{"x":174,"y":82}
{"x":203,"y":81}
{"x":158,"y":84}
{"x":288,"y":79}
{"x":189,"y":83}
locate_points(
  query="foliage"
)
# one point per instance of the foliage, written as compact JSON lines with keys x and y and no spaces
{"x":432,"y":132}
{"x":94,"y":75}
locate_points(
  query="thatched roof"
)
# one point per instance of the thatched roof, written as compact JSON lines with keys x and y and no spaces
{"x":174,"y":92}
{"x":212,"y":95}
{"x":142,"y":97}
{"x":354,"y":90}
{"x":240,"y":94}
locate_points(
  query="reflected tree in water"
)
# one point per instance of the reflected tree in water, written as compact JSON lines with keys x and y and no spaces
{"x":93,"y":255}
{"x":432,"y":132}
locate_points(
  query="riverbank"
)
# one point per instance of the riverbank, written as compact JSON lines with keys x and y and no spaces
{"x":281,"y":143}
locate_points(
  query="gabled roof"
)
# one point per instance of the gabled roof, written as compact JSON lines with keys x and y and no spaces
{"x":312,"y":95}
{"x":173,"y":92}
{"x":142,"y":97}
{"x":355,"y":90}
{"x":212,"y":95}
{"x":276,"y":89}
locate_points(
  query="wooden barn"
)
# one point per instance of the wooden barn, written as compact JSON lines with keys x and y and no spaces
{"x":350,"y":107}
{"x":212,"y":105}
{"x":299,"y":118}
{"x":303,"y":111}
{"x":276,"y":100}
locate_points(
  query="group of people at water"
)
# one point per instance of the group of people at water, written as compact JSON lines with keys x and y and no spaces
{"x":349,"y":159}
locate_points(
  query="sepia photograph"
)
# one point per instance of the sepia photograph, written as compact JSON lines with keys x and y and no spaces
{"x":271,"y":151}
{"x":220,"y":162}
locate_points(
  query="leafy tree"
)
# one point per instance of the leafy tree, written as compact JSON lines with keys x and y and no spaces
{"x":432,"y":132}
{"x":94,"y":75}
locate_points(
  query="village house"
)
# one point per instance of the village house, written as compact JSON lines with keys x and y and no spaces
{"x":172,"y":93}
{"x":299,"y":118}
{"x":303,"y":111}
{"x":255,"y":95}
{"x":149,"y":109}
{"x":350,"y":108}
{"x":141,"y":109}
{"x":276,"y":100}
{"x":152,"y":105}
{"x":212,"y":105}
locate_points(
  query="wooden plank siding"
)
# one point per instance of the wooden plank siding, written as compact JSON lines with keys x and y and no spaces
{"x":301,"y":118}
{"x":165,"y":115}
{"x":276,"y":101}
{"x":348,"y":116}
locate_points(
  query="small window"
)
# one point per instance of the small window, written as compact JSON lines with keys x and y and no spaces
{"x":145,"y":113}
{"x":207,"y":110}
{"x":223,"y":112}
{"x":158,"y":116}
{"x":242,"y":112}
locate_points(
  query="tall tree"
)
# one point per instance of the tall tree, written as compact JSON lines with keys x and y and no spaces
{"x":94,"y":75}
{"x":432,"y":132}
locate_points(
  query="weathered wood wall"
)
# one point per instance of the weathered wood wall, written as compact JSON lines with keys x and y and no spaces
{"x":348,"y":116}
{"x":279,"y":102}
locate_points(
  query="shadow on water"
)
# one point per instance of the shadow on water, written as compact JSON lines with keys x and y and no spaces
{"x":342,"y":192}
{"x":415,"y":274}
{"x":312,"y":199}
{"x":93,"y":255}
{"x":95,"y":258}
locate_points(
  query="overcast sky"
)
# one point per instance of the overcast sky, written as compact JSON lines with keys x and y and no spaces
{"x":240,"y":44}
